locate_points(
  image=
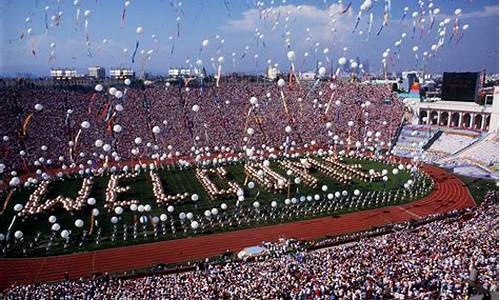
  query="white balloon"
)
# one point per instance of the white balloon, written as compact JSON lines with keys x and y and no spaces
{"x":118,"y":94}
{"x":117,"y":128}
{"x":139,"y":30}
{"x":18,"y":234}
{"x":195,"y":225}
{"x":281,"y":82}
{"x":78,"y":223}
{"x":367,"y":4}
{"x":85,"y":125}
{"x":119,"y":107}
{"x":55,"y":227}
{"x":91,"y":201}
{"x":38,"y":107}
{"x":98,"y":143}
{"x":291,"y":55}
{"x":342,"y":61}
{"x":14,"y":181}
{"x":196,"y":108}
{"x":98,"y":88}
{"x":127,"y":81}
{"x":18,"y":207}
{"x":322,"y":71}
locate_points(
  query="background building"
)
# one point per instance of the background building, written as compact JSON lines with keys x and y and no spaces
{"x":121,"y":73}
{"x":63,"y":73}
{"x":309,"y":75}
{"x":272,"y":73}
{"x":179,"y":72}
{"x":410,"y":77}
{"x":97,"y":72}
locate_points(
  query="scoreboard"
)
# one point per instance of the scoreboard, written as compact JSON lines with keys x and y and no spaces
{"x":460,"y":86}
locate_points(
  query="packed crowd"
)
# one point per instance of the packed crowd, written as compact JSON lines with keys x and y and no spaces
{"x":432,"y":261}
{"x":38,"y":123}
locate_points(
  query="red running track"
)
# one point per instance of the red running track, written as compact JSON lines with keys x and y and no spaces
{"x":450,"y":193}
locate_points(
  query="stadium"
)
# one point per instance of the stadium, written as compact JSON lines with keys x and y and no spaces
{"x":218,"y":180}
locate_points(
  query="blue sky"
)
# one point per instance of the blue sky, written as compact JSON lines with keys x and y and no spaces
{"x":235,"y":23}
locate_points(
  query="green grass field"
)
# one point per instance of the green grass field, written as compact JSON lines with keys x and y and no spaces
{"x":174,"y":181}
{"x":479,"y":187}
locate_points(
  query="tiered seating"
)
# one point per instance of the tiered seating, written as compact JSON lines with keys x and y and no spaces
{"x":451,"y":142}
{"x":484,"y":153}
{"x":412,"y":139}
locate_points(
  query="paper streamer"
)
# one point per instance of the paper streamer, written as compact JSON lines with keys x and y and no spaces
{"x":46,"y":21}
{"x":66,"y":120}
{"x":385,"y":22}
{"x":346,"y":9}
{"x":6,"y":202}
{"x":122,"y":20}
{"x":284,"y":103}
{"x":32,"y":45}
{"x":77,"y":137}
{"x":414,"y":29}
{"x":357,"y":22}
{"x":87,"y":29}
{"x":135,"y":51}
{"x":77,"y":15}
{"x":26,"y":122}
{"x":370,"y":24}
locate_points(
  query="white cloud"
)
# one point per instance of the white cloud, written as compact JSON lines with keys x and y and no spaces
{"x":299,"y":16}
{"x":488,"y":11}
